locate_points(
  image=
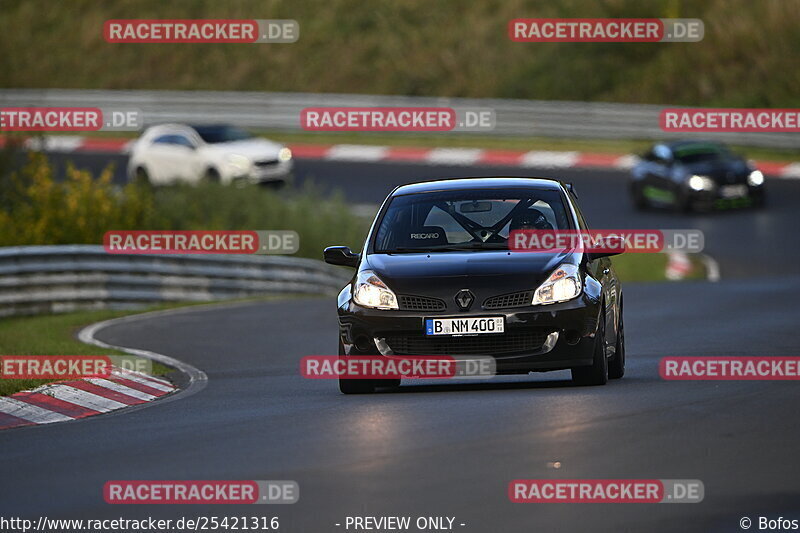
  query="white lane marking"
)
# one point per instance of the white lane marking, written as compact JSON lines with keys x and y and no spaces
{"x":357,"y":152}
{"x":126,"y":148}
{"x":122,"y":389}
{"x":453,"y":156}
{"x":29,"y":412}
{"x":790,"y":171}
{"x":712,"y":268}
{"x":626,"y":161}
{"x":149,"y":381}
{"x":54,"y":143}
{"x":82,"y":398}
{"x":539,"y":158}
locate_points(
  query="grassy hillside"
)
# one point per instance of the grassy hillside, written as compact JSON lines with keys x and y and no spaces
{"x":416,"y":47}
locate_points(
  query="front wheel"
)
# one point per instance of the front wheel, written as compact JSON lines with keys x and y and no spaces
{"x":211,"y":175}
{"x":639,"y":200}
{"x":597,"y":372}
{"x":354,"y":386}
{"x":616,"y":365}
{"x":141,"y":177}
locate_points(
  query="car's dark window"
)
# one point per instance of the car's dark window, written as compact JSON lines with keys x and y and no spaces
{"x":173,"y":139}
{"x":478,"y":219}
{"x":701,"y":152}
{"x":183,"y":141}
{"x":222,"y":134}
{"x":163,"y":139}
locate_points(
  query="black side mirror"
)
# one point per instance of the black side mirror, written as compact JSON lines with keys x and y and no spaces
{"x":341,"y":255}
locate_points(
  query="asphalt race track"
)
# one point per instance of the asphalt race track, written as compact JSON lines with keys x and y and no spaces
{"x":450,"y":449}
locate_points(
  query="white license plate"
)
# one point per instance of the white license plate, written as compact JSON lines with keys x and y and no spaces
{"x":464,"y":326}
{"x":733,"y":191}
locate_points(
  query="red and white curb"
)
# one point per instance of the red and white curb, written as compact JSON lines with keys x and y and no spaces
{"x":76,"y":399}
{"x":406,"y":154}
{"x":70,"y":400}
{"x":679,"y":266}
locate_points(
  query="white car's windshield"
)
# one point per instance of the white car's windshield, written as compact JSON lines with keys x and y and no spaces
{"x":222,"y":134}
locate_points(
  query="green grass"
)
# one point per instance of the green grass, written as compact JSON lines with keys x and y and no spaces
{"x":416,"y":47}
{"x":53,"y":335}
{"x":651,"y":267}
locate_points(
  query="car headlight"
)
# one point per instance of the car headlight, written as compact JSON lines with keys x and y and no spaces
{"x":238,"y":162}
{"x":701,"y":183}
{"x":755,"y":178}
{"x":562,"y":285}
{"x":370,"y":291}
{"x":284,"y":154}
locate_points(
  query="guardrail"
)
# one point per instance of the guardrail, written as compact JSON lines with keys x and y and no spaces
{"x":281,"y":111}
{"x":52,"y":279}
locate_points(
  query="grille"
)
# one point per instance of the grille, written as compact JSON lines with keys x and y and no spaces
{"x":421,"y":303}
{"x":516,"y":299}
{"x":507,"y":343}
{"x":266,"y":163}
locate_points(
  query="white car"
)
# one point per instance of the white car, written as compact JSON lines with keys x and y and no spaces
{"x":173,"y":153}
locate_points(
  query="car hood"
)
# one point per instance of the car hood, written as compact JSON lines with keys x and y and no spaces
{"x":722,"y":171}
{"x":486,"y":273}
{"x":253,"y":148}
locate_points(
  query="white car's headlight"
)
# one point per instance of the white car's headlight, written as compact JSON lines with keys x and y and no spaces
{"x":562,"y":285}
{"x":755,"y":178}
{"x":238,"y":162}
{"x":370,"y":291}
{"x":284,"y":154}
{"x":701,"y":183}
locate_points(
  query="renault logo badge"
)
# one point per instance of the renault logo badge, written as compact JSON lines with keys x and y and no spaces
{"x":464,"y":299}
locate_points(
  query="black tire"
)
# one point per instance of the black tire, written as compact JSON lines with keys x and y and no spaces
{"x":141,"y":177}
{"x":616,"y":365}
{"x":685,"y":203}
{"x":597,"y":372}
{"x":639,"y":200}
{"x":354,"y":386}
{"x":211,"y":175}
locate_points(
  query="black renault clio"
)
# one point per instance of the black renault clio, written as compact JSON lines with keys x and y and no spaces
{"x":438,"y":252}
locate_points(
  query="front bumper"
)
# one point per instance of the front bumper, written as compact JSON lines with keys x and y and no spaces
{"x":279,"y":171}
{"x":536,"y":338}
{"x":722,"y":197}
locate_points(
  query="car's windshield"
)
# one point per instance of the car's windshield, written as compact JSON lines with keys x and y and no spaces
{"x":221,"y":134}
{"x":696,"y":153}
{"x":466,"y":219}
